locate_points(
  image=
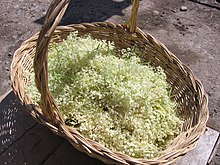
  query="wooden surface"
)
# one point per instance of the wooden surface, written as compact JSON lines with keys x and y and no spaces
{"x":204,"y":150}
{"x":23,"y":141}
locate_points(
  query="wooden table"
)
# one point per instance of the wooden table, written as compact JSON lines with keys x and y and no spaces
{"x":24,"y":141}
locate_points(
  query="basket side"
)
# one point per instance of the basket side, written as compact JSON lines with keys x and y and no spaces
{"x":187,"y":89}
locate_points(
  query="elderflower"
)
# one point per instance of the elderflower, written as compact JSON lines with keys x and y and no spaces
{"x":108,"y":95}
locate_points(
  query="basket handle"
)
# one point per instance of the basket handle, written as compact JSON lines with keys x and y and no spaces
{"x":54,"y":14}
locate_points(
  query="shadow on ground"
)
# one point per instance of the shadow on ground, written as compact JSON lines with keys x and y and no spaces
{"x":80,"y":11}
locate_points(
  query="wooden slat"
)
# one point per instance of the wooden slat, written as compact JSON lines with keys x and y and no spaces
{"x":35,"y":146}
{"x":67,"y":155}
{"x":23,"y":139}
{"x":14,"y":121}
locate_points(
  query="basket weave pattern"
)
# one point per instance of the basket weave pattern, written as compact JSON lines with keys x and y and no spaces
{"x":186,"y":88}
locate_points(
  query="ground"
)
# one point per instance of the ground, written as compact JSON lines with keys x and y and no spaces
{"x":192,"y":35}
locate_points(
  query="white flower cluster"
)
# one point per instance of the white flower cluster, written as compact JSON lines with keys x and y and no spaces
{"x":111,"y":97}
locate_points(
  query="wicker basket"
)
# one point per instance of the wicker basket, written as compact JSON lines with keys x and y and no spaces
{"x":187,"y":89}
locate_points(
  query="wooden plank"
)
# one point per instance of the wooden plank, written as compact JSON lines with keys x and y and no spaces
{"x":34,"y":147}
{"x":14,"y":121}
{"x":201,"y":154}
{"x":67,"y":155}
{"x":23,"y":141}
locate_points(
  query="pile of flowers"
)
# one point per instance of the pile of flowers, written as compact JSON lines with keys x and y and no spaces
{"x":110,"y":96}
